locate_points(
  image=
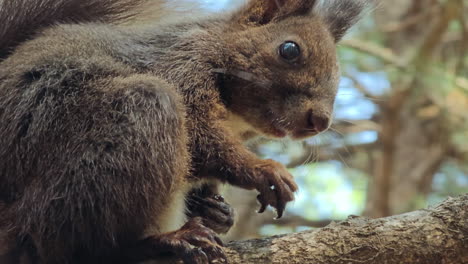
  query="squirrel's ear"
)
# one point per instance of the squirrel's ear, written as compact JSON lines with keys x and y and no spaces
{"x":341,"y":15}
{"x":260,"y":12}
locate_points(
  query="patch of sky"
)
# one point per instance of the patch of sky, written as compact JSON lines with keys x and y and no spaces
{"x":351,"y":104}
{"x":363,"y":137}
{"x":269,"y":230}
{"x":281,"y":150}
{"x":462,"y":180}
{"x":451,"y":179}
{"x":327,"y":192}
{"x":376,"y":83}
{"x":215,"y":5}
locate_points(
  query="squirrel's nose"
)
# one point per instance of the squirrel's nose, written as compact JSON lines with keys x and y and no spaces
{"x":317,"y":122}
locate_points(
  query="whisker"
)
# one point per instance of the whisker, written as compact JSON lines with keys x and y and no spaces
{"x":312,"y":155}
{"x":337,"y":131}
{"x":340,"y":157}
{"x":315,"y":150}
{"x":347,"y":121}
{"x":343,"y":160}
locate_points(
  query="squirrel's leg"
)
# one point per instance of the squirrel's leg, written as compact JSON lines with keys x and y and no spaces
{"x":194,"y":243}
{"x":10,"y":251}
{"x":216,"y":151}
{"x":207,"y":203}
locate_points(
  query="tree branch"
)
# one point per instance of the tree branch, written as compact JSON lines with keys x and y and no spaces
{"x":432,"y":236}
{"x":410,"y":21}
{"x":382,"y":53}
{"x":313,"y":153}
{"x":435,"y":235}
{"x":451,"y":11}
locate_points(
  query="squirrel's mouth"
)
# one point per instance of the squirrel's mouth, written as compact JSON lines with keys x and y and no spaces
{"x":272,"y":128}
{"x":303,"y":134}
{"x":284,"y":125}
{"x":277,"y":132}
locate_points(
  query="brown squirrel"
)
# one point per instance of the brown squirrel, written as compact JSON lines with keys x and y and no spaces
{"x":107,"y":129}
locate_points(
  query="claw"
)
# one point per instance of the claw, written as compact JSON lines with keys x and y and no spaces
{"x":276,"y":186}
{"x":263,"y":205}
{"x":219,"y":241}
{"x":218,"y":198}
{"x":193,"y":243}
{"x":196,"y":256}
{"x":215,"y":253}
{"x":279,"y":213}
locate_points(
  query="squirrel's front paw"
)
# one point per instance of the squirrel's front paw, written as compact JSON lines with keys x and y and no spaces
{"x":215,"y":212}
{"x":275,"y":184}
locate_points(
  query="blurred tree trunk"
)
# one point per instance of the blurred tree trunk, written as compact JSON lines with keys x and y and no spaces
{"x":415,"y":135}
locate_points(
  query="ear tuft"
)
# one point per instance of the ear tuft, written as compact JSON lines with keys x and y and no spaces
{"x":261,"y":12}
{"x":341,"y":15}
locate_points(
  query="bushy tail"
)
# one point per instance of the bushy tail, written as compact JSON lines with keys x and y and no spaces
{"x":19,"y":19}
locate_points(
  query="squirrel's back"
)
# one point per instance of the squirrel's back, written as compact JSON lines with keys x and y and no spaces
{"x":20,"y":19}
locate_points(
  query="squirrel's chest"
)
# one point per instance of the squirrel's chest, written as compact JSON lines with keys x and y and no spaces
{"x":239,"y":127}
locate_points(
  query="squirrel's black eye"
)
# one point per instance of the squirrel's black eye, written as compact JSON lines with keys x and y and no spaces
{"x":289,"y":50}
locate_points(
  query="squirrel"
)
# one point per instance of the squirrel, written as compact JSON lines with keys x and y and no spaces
{"x":109,"y":131}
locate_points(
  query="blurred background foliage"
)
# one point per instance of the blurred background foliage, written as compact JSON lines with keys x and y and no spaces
{"x":400,"y":137}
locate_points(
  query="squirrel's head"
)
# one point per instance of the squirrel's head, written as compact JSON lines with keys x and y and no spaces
{"x":282,"y":74}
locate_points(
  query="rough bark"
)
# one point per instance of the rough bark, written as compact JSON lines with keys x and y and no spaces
{"x":432,"y":236}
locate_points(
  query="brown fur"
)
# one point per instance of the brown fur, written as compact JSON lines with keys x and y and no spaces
{"x":105,"y":128}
